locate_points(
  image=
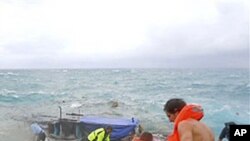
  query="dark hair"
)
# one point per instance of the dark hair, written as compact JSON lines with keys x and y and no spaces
{"x":146,"y":136}
{"x":227,"y":124}
{"x":174,"y":105}
{"x":109,"y":128}
{"x":230,"y":123}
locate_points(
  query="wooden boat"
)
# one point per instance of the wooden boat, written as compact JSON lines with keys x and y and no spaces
{"x":69,"y":129}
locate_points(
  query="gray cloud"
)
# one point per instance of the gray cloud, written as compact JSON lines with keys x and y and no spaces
{"x":223,"y":43}
{"x":218,"y":42}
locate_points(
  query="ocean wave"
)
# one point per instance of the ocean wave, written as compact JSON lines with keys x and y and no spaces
{"x":7,"y":92}
{"x":248,"y":85}
{"x":9,"y":74}
{"x":9,"y":98}
{"x":141,"y":94}
{"x":75,"y":105}
{"x":29,"y":98}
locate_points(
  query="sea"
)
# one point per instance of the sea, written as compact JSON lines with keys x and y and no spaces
{"x":30,"y":95}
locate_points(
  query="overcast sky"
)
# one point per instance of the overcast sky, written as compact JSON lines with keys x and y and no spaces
{"x":124,"y":34}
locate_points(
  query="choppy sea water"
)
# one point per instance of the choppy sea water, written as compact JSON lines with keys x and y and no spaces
{"x":27,"y":95}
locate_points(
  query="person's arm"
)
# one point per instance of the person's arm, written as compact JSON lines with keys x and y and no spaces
{"x":100,"y":136}
{"x":185,"y":131}
{"x":108,"y":138}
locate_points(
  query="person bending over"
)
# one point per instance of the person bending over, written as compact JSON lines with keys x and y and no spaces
{"x":100,"y":134}
{"x":186,"y":118}
{"x":225,"y":131}
{"x":145,"y":136}
{"x":38,"y":132}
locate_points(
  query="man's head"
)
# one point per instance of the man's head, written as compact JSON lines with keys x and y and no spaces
{"x":227,"y":124}
{"x":173,"y":107}
{"x":108,"y":129}
{"x":146,"y":136}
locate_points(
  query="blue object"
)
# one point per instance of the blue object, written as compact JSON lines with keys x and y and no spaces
{"x":57,"y":128}
{"x":36,"y":129}
{"x":121,"y":127}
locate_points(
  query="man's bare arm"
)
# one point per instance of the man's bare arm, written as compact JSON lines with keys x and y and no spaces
{"x":185,"y":131}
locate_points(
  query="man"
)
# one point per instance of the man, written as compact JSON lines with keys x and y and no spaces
{"x":145,"y":136}
{"x":225,"y":131}
{"x":101,"y":134}
{"x":38,"y":131}
{"x":186,"y":118}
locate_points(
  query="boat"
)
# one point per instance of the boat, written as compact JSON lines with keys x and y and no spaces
{"x":72,"y":129}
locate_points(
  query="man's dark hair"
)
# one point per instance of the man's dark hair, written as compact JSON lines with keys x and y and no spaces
{"x":109,"y":128}
{"x":146,"y":136}
{"x":174,"y":105}
{"x":225,"y":131}
{"x":229,"y":123}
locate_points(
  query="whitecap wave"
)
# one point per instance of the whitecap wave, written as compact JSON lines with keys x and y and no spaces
{"x":75,"y":105}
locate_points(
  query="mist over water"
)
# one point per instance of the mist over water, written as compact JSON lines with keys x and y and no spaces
{"x":28,"y":95}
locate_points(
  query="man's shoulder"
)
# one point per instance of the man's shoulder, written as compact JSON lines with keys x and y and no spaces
{"x":188,"y":121}
{"x":185,"y":124}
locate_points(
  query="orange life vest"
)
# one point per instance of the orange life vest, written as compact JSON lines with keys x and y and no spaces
{"x":189,"y":111}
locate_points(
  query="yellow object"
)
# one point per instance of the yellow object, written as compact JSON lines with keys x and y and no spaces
{"x":98,"y":135}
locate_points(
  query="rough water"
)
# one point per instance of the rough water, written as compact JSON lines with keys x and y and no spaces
{"x":28,"y":95}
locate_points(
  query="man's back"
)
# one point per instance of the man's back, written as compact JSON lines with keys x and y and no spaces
{"x":193,"y":130}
